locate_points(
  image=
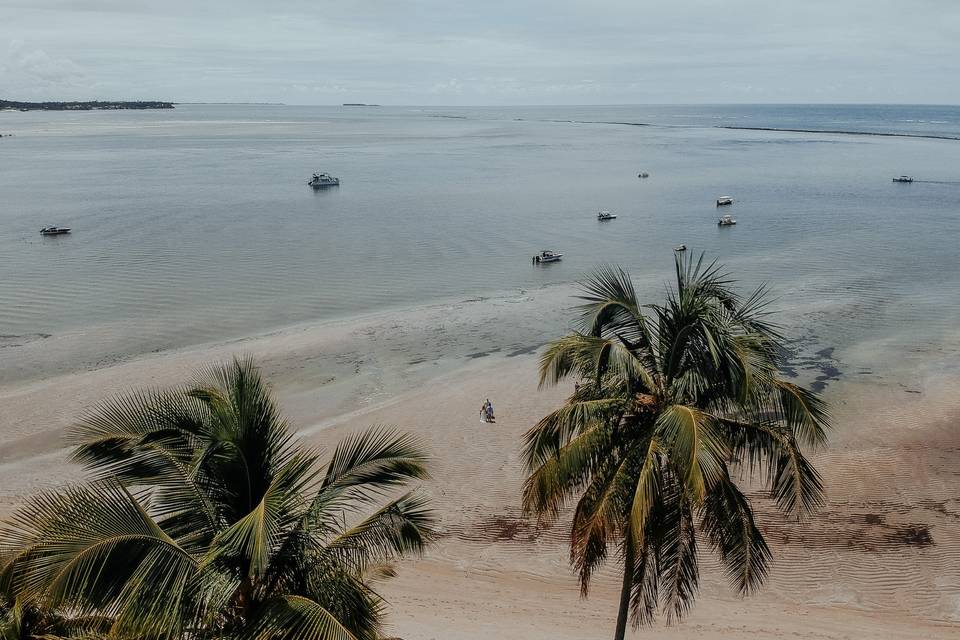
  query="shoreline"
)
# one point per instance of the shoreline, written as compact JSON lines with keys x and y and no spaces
{"x":40,"y":346}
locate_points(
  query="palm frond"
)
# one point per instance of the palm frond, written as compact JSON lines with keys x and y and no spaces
{"x":644,"y":597}
{"x":695,"y":447}
{"x":558,"y":428}
{"x":796,"y":485}
{"x":246,"y":438}
{"x":294,"y":618}
{"x":136,"y":437}
{"x":609,"y":298}
{"x":729,"y":524}
{"x":611,"y":308}
{"x":559,"y":476}
{"x":803,"y":411}
{"x":371,"y":463}
{"x":677,"y":561}
{"x":599,"y":518}
{"x":646,"y":493}
{"x":697,"y":280}
{"x":95,"y":548}
{"x":591,"y":357}
{"x":257,"y":535}
{"x":402,"y":527}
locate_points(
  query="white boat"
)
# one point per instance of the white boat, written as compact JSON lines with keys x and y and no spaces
{"x":726,"y":221}
{"x":643,"y":174}
{"x":606,"y":215}
{"x":903,"y":179}
{"x":320,"y":180}
{"x":724,"y":200}
{"x":547,"y":256}
{"x":54,"y":231}
{"x":680,"y":247}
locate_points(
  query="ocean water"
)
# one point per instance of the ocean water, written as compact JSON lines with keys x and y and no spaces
{"x":196,"y":224}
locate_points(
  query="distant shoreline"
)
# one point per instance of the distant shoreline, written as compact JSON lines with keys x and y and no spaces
{"x":91,"y":105}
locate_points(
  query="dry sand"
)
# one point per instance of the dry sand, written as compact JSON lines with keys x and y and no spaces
{"x":881,"y":561}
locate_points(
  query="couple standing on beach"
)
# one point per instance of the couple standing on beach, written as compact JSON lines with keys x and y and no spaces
{"x":486,"y":412}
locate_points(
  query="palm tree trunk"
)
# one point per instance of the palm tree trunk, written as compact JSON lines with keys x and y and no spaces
{"x":628,"y":562}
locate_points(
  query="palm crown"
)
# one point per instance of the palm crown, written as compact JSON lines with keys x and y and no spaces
{"x":205,"y":518}
{"x":673,"y":402}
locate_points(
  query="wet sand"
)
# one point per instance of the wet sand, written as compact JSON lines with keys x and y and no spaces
{"x":882,"y":560}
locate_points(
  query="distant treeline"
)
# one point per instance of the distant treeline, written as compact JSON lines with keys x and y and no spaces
{"x":83,"y":106}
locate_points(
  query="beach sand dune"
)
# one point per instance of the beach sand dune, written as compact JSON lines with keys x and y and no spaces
{"x":882,"y":560}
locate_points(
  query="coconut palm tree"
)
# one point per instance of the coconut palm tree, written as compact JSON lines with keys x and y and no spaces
{"x":676,"y":403}
{"x":205,"y":518}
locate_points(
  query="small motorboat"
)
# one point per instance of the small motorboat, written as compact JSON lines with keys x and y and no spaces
{"x":643,"y":174}
{"x":547,"y":256}
{"x":320,"y":180}
{"x":606,"y":215}
{"x":724,"y":200}
{"x":726,"y":221}
{"x":903,"y":179}
{"x":54,"y":231}
{"x":680,"y":247}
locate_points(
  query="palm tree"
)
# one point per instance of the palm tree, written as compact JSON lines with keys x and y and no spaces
{"x":674,"y":404}
{"x":205,"y":518}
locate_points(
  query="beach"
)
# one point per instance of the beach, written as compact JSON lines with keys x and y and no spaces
{"x":881,"y":560}
{"x":406,"y":297}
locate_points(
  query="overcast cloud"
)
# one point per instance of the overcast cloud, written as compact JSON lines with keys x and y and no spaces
{"x":447,"y":52}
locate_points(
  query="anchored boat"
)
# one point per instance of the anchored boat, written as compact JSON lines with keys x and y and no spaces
{"x":724,"y":200}
{"x":547,"y":256}
{"x":726,"y":221}
{"x":320,"y":180}
{"x":606,"y":215}
{"x":54,"y":231}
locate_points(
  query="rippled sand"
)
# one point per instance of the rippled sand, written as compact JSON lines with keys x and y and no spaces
{"x":881,"y":560}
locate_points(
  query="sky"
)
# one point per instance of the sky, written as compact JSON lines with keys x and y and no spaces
{"x":485,"y":52}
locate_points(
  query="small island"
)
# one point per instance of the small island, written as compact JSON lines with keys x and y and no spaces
{"x":93,"y":105}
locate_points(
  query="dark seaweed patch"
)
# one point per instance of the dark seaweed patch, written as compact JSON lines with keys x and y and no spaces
{"x":522,"y":351}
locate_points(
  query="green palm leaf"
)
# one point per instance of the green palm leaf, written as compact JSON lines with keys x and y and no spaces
{"x":255,"y":536}
{"x":402,"y":527}
{"x":370,"y":463}
{"x":696,"y":447}
{"x":294,"y":618}
{"x":729,"y":523}
{"x":95,"y":547}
